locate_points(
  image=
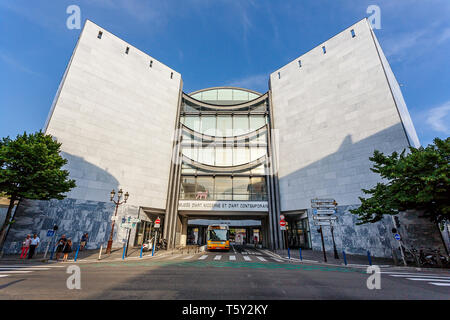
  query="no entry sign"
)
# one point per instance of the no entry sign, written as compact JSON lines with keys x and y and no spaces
{"x":157,"y":223}
{"x":282,"y":225}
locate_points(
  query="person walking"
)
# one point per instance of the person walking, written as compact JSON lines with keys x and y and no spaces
{"x":67,"y":249}
{"x":25,"y":247}
{"x":33,"y":245}
{"x":61,"y":243}
{"x":84,"y":239}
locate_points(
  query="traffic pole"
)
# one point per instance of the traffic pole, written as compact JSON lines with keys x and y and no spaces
{"x":336,"y":256}
{"x":154,"y":243}
{"x":100,"y":252}
{"x":123,"y":254}
{"x":142,"y":247}
{"x":369,"y":257}
{"x":76,"y":254}
{"x":289,"y":253}
{"x":345,"y":257}
{"x":300,"y":254}
{"x":323,"y":245}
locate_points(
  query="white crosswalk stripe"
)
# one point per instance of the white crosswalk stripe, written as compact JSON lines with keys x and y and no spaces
{"x":203,"y":257}
{"x":3,"y":275}
{"x":15,"y":271}
{"x":188,"y":257}
{"x":435,"y":280}
{"x":247,"y":258}
{"x":233,"y":258}
{"x":261,"y":258}
{"x":217,"y":257}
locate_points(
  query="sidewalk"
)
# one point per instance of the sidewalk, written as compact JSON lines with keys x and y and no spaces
{"x":93,"y":255}
{"x":317,"y":256}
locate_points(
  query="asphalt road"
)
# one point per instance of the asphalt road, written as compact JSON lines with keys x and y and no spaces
{"x":241,"y":274}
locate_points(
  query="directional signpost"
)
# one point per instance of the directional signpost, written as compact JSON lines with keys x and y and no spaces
{"x":324,"y":211}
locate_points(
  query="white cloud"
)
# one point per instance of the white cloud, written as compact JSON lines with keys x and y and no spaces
{"x":439,"y":118}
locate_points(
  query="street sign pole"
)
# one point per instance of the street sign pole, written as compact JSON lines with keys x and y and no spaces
{"x":336,"y":256}
{"x":323,"y":245}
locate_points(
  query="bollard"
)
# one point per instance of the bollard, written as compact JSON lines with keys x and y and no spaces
{"x":153,"y":249}
{"x":100,"y":252}
{"x":123,"y":254}
{"x":142,"y":248}
{"x":345,"y":257}
{"x":76,"y":254}
{"x":300,"y":252}
{"x":369,"y":257}
{"x":289,"y":253}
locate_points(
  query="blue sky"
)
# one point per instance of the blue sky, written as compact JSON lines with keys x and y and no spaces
{"x":222,"y":42}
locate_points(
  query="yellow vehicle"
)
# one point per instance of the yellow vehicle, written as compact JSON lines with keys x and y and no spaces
{"x":218,"y":237}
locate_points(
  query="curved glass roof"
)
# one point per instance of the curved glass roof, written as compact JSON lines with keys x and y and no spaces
{"x":225,"y":96}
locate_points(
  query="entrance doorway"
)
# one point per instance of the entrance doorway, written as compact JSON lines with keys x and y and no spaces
{"x":298,"y":231}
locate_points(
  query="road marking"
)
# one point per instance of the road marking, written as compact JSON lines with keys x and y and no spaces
{"x":440,"y":284}
{"x":233,"y":258}
{"x":428,"y":279}
{"x":247,"y":258}
{"x":174,"y":256}
{"x":277,"y":260}
{"x":244,"y":252}
{"x":3,"y":275}
{"x":418,"y":276}
{"x":28,"y":266}
{"x":25,"y":269}
{"x":203,"y":257}
{"x":188,"y":257}
{"x":261,"y":258}
{"x":218,"y":257}
{"x":15,"y":271}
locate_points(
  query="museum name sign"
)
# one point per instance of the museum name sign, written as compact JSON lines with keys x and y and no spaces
{"x":195,"y":205}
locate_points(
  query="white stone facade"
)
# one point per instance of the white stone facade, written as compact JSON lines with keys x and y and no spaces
{"x":115,"y":116}
{"x":341,"y":106}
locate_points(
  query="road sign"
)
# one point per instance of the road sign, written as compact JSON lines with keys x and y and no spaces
{"x":50,"y":233}
{"x":282,"y":223}
{"x":397,"y":236}
{"x":324,"y":211}
{"x":135,"y":220}
{"x":322,"y":223}
{"x":281,"y":216}
{"x":324,"y":217}
{"x":322,"y":200}
{"x":126,"y":225}
{"x":157,"y":223}
{"x":325,"y":205}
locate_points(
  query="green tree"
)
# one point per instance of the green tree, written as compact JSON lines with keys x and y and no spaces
{"x":30,"y":168}
{"x":417,"y":180}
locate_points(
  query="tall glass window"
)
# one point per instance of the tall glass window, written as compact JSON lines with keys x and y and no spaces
{"x":205,"y":188}
{"x":240,"y":188}
{"x":223,"y":188}
{"x":208,"y":125}
{"x":240,"y":125}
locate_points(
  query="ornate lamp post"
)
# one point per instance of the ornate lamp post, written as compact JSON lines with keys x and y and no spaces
{"x":117,"y":203}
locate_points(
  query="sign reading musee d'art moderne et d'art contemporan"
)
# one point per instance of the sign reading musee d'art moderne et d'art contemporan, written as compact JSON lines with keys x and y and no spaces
{"x":223,"y":205}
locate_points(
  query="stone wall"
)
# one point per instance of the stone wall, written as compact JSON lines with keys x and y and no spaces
{"x":376,"y":237}
{"x":73,"y":217}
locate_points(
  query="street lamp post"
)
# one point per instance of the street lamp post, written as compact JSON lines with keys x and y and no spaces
{"x":117,"y":203}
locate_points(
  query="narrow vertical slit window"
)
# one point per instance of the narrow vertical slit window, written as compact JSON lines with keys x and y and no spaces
{"x":279,"y":75}
{"x":151,"y":63}
{"x":353,"y":33}
{"x":99,"y":34}
{"x":299,"y":63}
{"x":324,"y":49}
{"x":127,"y":50}
{"x":171,"y":75}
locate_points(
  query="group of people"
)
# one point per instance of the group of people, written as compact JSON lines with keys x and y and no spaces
{"x":63,"y":246}
{"x":29,"y":246}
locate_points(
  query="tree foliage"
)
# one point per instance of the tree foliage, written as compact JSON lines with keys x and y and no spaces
{"x":30,"y":167}
{"x":418,"y":180}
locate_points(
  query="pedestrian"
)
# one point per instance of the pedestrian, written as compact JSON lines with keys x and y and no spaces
{"x":255,"y":240}
{"x":33,"y":245}
{"x":60,"y":246}
{"x":84,"y":239}
{"x":25,"y":247}
{"x":67,"y":249}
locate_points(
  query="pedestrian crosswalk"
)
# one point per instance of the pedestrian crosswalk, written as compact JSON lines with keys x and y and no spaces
{"x":432,"y":279}
{"x":7,"y":270}
{"x":234,"y":257}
